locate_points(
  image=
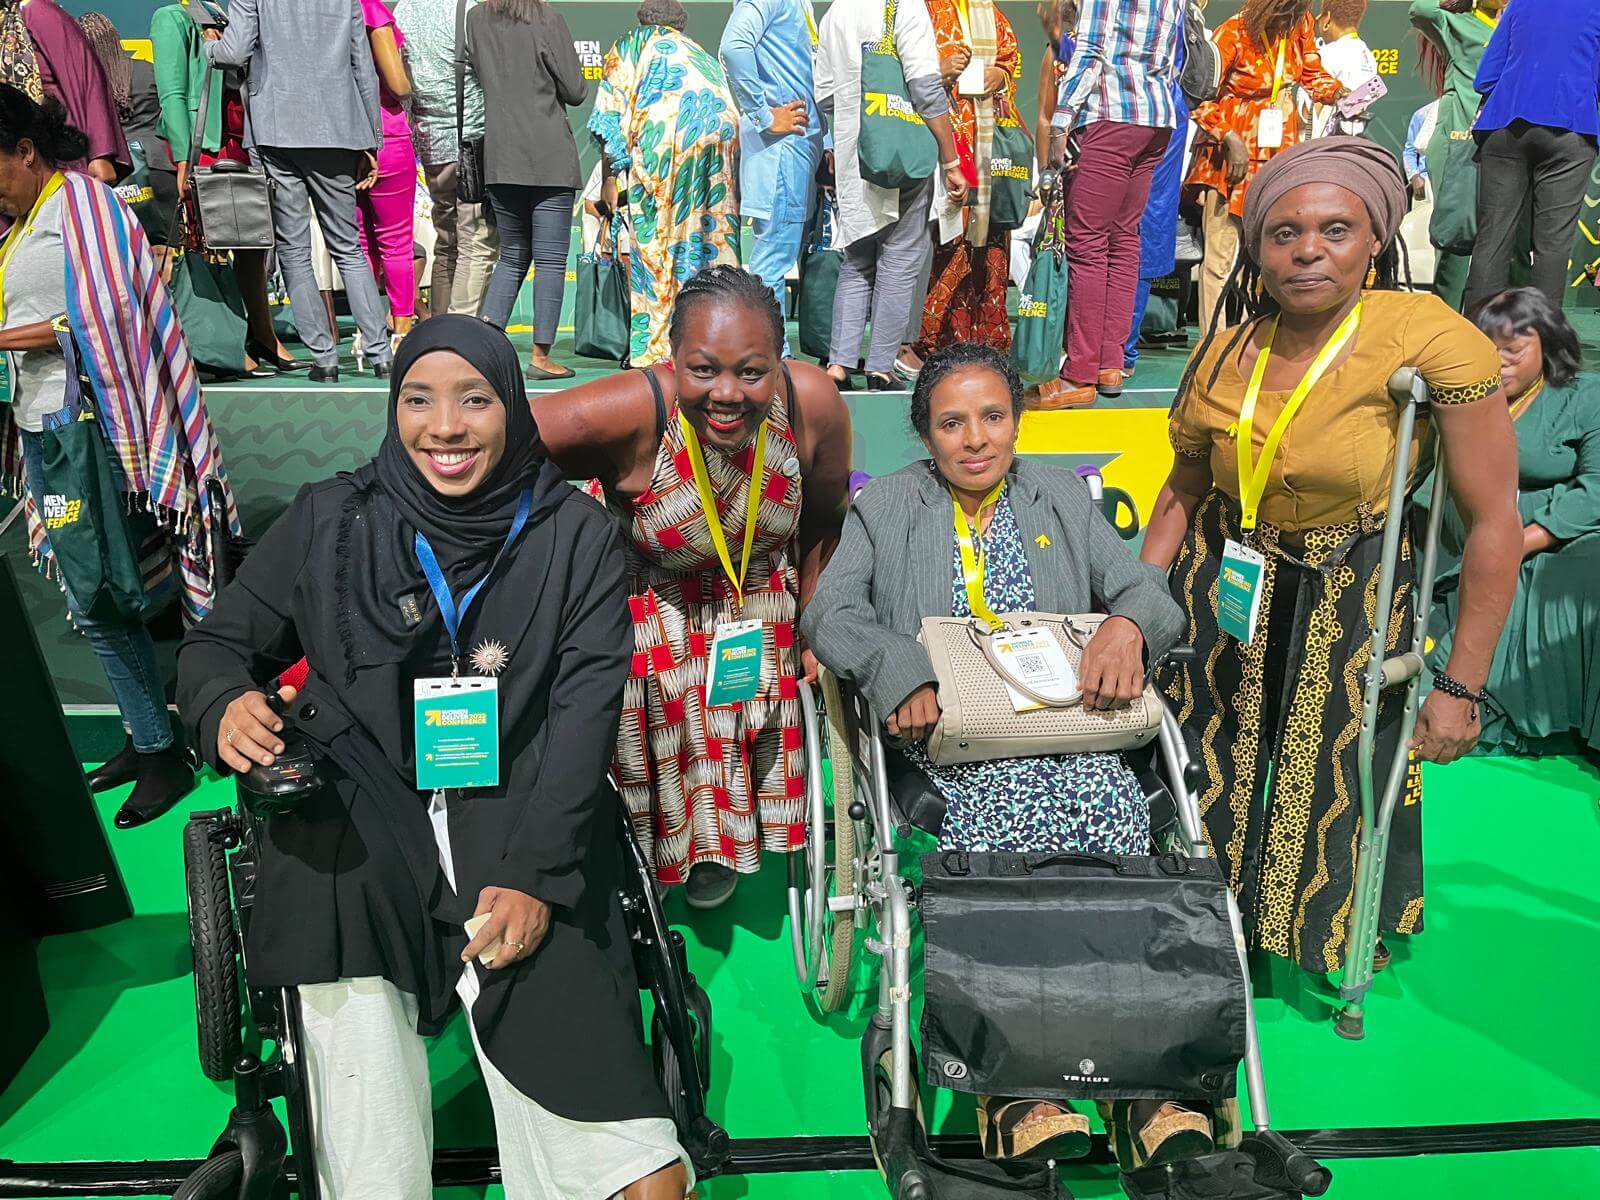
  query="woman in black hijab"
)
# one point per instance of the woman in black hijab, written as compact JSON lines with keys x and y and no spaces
{"x":363,"y":890}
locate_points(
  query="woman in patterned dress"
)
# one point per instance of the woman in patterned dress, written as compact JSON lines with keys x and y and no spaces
{"x":970,"y":273}
{"x":1045,"y":547}
{"x":1278,"y":712}
{"x":664,"y":118}
{"x":710,"y":787}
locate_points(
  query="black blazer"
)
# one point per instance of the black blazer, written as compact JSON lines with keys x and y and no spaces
{"x":530,"y":75}
{"x":351,"y":886}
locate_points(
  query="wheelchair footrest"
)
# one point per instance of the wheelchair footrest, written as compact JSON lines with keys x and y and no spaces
{"x":914,"y":1172}
{"x":1225,"y":1175}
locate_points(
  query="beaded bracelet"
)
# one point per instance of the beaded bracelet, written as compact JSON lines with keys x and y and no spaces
{"x":1454,"y":687}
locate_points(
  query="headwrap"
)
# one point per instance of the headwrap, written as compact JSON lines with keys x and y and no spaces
{"x":378,"y":564}
{"x":1357,"y":164}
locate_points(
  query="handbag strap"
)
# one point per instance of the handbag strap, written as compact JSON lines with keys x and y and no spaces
{"x":461,"y":75}
{"x":983,"y":638}
{"x":194,"y":138}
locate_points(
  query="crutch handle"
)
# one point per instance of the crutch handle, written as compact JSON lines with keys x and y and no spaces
{"x":1402,"y":385}
{"x":1402,"y":668}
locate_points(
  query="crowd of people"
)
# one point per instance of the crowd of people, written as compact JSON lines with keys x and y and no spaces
{"x":655,"y":623}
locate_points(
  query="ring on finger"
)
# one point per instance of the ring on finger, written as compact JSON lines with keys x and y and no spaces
{"x":229,"y":734}
{"x":516,"y":947}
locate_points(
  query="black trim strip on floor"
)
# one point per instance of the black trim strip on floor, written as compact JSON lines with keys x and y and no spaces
{"x":793,"y":1155}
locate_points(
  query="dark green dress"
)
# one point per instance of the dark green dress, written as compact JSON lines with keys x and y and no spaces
{"x":1545,"y":680}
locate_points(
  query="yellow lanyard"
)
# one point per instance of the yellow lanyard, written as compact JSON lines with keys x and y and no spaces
{"x":962,"y":20}
{"x":1521,"y":406}
{"x":972,"y":556}
{"x":19,"y":231}
{"x":1277,"y":71}
{"x":1253,"y":477}
{"x":1491,"y":22}
{"x":811,"y":21}
{"x":708,"y":503}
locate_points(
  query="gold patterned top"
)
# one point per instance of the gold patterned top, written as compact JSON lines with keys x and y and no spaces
{"x":1335,"y":460}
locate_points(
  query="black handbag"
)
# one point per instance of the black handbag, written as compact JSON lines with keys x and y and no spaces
{"x":469,"y":163}
{"x":232,"y":202}
{"x":1078,"y":976}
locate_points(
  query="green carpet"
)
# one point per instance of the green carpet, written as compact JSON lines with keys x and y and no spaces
{"x":1488,"y":1016}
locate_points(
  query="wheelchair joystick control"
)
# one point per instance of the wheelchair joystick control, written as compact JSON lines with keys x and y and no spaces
{"x":269,"y":791}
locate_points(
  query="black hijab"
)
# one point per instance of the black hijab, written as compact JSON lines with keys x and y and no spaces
{"x":381,"y":587}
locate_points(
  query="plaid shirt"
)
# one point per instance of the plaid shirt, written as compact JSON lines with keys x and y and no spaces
{"x":1124,"y":64}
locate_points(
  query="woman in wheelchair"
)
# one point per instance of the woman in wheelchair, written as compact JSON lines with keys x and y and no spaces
{"x":463,"y":614}
{"x":1040,"y":545}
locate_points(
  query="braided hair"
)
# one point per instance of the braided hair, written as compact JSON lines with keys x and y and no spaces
{"x":726,"y":285}
{"x":1244,"y":290}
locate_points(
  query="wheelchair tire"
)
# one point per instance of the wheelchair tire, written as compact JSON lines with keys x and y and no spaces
{"x":840,"y":935}
{"x":215,"y":947}
{"x":670,"y":1072}
{"x":214,"y":1179}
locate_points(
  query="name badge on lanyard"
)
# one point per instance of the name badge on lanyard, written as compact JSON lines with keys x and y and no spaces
{"x":738,"y":648}
{"x":1239,"y":591}
{"x":1033,"y":658}
{"x":456,"y":719}
{"x":1269,"y":127}
{"x":5,"y":378}
{"x":458,"y":732}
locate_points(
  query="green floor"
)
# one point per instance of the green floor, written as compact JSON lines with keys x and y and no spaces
{"x":1486,"y":1017}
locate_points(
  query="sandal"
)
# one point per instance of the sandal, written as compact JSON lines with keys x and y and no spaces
{"x":1008,"y":1134}
{"x":1167,"y":1132}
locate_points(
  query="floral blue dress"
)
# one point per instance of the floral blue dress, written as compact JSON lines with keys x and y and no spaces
{"x":1087,"y":803}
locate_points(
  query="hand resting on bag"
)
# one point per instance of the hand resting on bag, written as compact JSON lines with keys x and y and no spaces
{"x":1112,"y":671}
{"x":917,"y":715}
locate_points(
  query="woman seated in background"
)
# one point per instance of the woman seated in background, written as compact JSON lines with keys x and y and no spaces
{"x":1545,"y":677}
{"x":728,"y":429}
{"x":1042,"y":546}
{"x":459,"y":548}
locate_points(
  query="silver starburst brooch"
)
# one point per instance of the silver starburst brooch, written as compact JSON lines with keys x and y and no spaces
{"x":489,"y":657}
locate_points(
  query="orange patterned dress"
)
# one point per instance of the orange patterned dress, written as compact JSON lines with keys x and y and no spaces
{"x":967,"y":284}
{"x":711,"y":784}
{"x":1247,"y":74}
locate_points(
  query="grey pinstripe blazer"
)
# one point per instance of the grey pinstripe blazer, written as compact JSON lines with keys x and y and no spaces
{"x":893,"y":567}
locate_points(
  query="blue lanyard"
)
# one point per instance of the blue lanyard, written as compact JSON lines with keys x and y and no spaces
{"x":454,"y":615}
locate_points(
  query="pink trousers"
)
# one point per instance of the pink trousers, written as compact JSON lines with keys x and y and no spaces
{"x":384,"y":217}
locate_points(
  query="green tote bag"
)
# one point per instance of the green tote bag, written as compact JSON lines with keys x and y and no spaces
{"x":1454,"y":227}
{"x":602,"y":309}
{"x":1010,"y":170}
{"x":1042,"y":306}
{"x":895,"y":148}
{"x":80,"y":502}
{"x":819,"y":281}
{"x":210,"y":309}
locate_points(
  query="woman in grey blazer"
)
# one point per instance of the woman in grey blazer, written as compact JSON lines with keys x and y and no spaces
{"x":1043,"y":546}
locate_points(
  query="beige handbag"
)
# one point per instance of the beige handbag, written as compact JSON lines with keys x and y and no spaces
{"x":979,"y":721}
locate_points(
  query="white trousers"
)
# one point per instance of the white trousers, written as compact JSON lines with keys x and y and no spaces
{"x":372,"y":1104}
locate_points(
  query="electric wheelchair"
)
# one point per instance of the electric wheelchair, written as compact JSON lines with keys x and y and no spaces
{"x":848,"y":888}
{"x":250,"y":1158}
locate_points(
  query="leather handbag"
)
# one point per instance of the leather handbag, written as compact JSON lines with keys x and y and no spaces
{"x":469,"y":163}
{"x":232,"y":202}
{"x":979,"y":722}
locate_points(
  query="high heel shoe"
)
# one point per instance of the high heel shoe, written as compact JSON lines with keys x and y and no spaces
{"x":271,"y":358}
{"x":161,"y":779}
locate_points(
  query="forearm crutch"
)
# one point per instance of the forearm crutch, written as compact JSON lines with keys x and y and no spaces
{"x":1410,"y":392}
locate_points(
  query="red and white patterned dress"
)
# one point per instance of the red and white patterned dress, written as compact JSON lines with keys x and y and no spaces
{"x":722,"y":784}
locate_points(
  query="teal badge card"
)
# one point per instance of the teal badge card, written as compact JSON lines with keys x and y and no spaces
{"x":457,"y":732}
{"x":5,"y":379}
{"x":1239,"y":591}
{"x":734,"y":672}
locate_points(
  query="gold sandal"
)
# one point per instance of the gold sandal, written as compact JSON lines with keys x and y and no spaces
{"x":1008,"y":1134}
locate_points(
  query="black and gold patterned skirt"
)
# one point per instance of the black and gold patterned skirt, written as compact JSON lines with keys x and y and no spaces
{"x":1275,"y":725}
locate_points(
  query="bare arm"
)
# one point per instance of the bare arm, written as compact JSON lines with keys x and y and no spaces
{"x":823,"y":434}
{"x":386,"y":57}
{"x":1480,"y":450}
{"x":37,"y":335}
{"x":1169,"y":523}
{"x":604,"y":430}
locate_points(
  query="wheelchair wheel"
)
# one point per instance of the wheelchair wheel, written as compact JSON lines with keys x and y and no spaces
{"x":215,"y":947}
{"x":215,"y":1178}
{"x":840,"y":878}
{"x":669,"y":1070}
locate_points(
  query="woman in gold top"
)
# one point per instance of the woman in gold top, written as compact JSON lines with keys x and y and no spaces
{"x":1278,"y":712}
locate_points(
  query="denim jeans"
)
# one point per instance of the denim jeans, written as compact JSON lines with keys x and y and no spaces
{"x":535,"y":226}
{"x":126,"y":652}
{"x":776,"y":251}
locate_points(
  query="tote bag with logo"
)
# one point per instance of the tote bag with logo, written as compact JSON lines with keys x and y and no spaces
{"x":895,"y":148}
